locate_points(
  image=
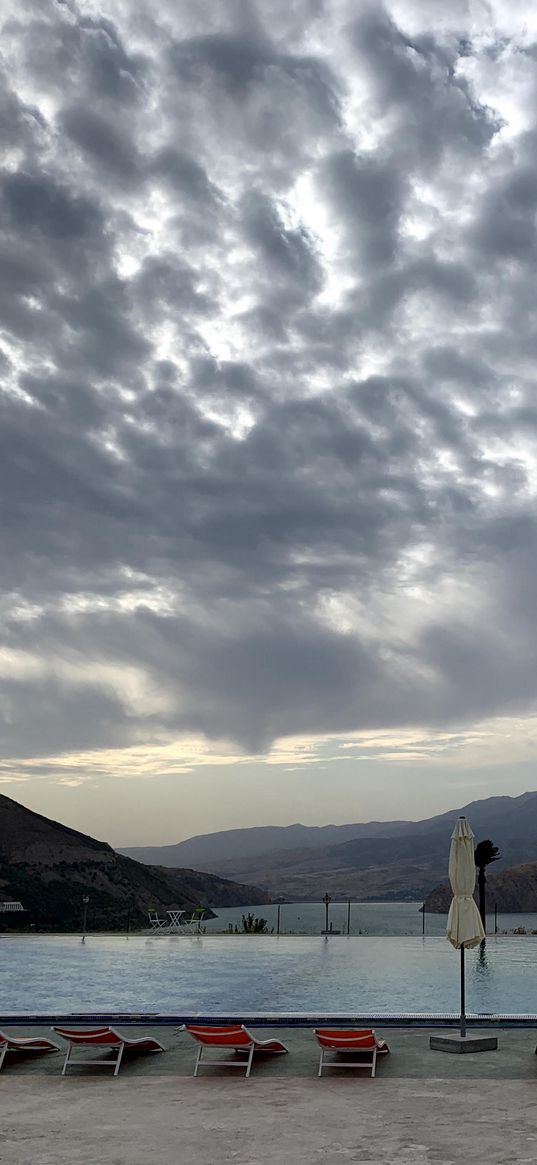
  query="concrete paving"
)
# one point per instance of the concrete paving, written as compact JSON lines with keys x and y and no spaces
{"x":423,"y":1107}
{"x":169,"y":1120}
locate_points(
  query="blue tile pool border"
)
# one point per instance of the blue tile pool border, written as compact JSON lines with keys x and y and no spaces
{"x":268,"y":1019}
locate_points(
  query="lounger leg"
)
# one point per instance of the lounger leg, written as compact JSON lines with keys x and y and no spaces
{"x":67,"y":1058}
{"x":250,"y":1058}
{"x":118,"y":1061}
{"x":3,"y":1054}
{"x":373,"y":1062}
{"x":320,"y":1072}
{"x":198,"y":1058}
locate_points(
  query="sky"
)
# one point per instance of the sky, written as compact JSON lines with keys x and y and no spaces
{"x":268,"y":410}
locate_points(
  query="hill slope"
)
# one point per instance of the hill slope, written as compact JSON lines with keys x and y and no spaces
{"x":514,"y":890}
{"x":49,"y":868}
{"x":375,"y":860}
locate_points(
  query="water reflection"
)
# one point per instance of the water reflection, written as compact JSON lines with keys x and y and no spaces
{"x":482,"y":963}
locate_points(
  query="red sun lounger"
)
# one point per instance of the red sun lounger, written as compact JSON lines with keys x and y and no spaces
{"x":104,"y":1037}
{"x":235,"y":1037}
{"x":350,"y":1041}
{"x":24,"y":1044}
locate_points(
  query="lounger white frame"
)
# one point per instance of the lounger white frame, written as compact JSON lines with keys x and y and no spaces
{"x":250,"y":1048}
{"x":24,"y":1044}
{"x":349,"y":1043}
{"x":115,"y":1064}
{"x":118,"y":1045}
{"x":355,"y":1064}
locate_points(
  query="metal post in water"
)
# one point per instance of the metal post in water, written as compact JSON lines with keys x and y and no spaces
{"x":85,"y":901}
{"x":349,"y":917}
{"x":327,"y":900}
{"x":423,"y":920}
{"x":495,"y":918}
{"x":278,"y":918}
{"x":463,"y":995}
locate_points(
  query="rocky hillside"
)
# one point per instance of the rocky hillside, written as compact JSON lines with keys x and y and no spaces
{"x":512,"y":891}
{"x":50,"y":868}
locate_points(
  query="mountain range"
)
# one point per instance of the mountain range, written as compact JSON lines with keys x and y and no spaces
{"x":372,"y":860}
{"x":50,"y":868}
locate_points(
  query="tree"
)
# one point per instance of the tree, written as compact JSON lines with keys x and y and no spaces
{"x":485,"y":853}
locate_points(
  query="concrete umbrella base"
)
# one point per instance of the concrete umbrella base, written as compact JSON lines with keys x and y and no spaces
{"x":461,"y":1044}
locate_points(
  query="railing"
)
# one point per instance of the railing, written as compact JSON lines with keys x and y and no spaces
{"x":402,"y":1019}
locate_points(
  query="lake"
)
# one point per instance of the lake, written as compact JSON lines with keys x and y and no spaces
{"x":367,"y":918}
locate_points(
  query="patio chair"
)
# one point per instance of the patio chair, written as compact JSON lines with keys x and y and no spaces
{"x":24,"y":1044}
{"x":236,"y":1037}
{"x":350,"y":1041}
{"x":105,"y":1038}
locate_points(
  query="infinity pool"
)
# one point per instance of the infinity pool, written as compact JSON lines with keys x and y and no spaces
{"x":258,"y":974}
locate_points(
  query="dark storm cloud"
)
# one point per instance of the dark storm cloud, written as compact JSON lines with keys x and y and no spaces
{"x":38,"y":206}
{"x":367,"y":196}
{"x":285,"y":255}
{"x":267,"y":419}
{"x":185,"y":176}
{"x":243,"y":60}
{"x":505,"y":225}
{"x":414,"y":81}
{"x":101,"y":142}
{"x":19,"y":121}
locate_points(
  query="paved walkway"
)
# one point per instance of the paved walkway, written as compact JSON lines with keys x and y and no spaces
{"x":178,"y":1121}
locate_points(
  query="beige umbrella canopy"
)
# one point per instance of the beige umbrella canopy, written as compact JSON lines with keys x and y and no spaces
{"x":464,"y":926}
{"x":464,"y":929}
{"x":464,"y":920}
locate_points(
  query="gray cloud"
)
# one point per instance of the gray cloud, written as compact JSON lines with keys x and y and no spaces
{"x":267,"y":342}
{"x":415,"y":84}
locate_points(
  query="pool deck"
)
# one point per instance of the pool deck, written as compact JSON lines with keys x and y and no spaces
{"x":424,"y":1106}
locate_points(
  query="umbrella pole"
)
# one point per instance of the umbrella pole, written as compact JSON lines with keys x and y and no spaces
{"x":463,"y":995}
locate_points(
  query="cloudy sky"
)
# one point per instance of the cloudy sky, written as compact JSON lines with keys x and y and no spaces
{"x":268,"y":340}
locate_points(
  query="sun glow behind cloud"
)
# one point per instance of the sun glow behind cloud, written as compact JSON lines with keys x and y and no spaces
{"x":498,"y":741}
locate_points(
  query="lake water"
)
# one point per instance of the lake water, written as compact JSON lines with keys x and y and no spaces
{"x":367,"y":918}
{"x":226,"y":974}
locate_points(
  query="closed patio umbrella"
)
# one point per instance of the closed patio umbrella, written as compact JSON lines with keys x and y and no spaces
{"x":464,"y":929}
{"x":464,"y":926}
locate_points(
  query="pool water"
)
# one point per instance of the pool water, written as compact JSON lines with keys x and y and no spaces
{"x":252,"y":973}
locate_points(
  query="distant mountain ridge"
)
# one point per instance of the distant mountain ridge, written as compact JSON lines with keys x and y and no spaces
{"x":50,"y":867}
{"x":375,"y":860}
{"x":250,"y":842}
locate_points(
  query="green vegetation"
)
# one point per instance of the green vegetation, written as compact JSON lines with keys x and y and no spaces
{"x":250,"y":925}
